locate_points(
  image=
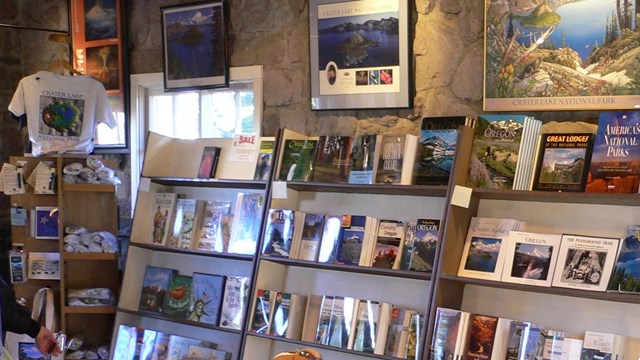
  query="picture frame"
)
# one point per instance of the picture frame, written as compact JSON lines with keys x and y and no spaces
{"x":363,"y":68}
{"x":44,"y":223}
{"x":44,"y":266}
{"x":557,"y":59}
{"x":208,"y":66}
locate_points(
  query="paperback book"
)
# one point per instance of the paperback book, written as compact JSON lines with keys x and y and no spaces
{"x":481,"y":336}
{"x":341,"y":317}
{"x":323,"y":329}
{"x":333,"y":159}
{"x":178,"y":298}
{"x":155,"y":285}
{"x":247,"y":219}
{"x":207,"y":298}
{"x":178,"y":346}
{"x":366,"y":326}
{"x":363,"y":159}
{"x":209,"y":162}
{"x":234,"y":302}
{"x":188,"y":214}
{"x":445,"y":334}
{"x":436,"y":149}
{"x":311,"y":236}
{"x":260,"y":320}
{"x":413,"y":340}
{"x":485,"y":247}
{"x":562,"y":162}
{"x":287,"y":315}
{"x":210,"y":237}
{"x":297,"y":160}
{"x":625,"y":276}
{"x":279,"y":232}
{"x":330,"y":238}
{"x":599,"y":345}
{"x":585,"y":262}
{"x":398,"y":333}
{"x":615,"y":163}
{"x":396,"y":159}
{"x":425,"y":240}
{"x":350,"y":239}
{"x":264,"y":161}
{"x":388,"y":244}
{"x":531,"y":258}
{"x":164,"y":204}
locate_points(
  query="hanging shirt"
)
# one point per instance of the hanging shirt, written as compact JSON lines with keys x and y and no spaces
{"x":62,"y":111}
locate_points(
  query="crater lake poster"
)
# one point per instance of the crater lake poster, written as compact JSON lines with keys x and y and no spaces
{"x":561,"y":55}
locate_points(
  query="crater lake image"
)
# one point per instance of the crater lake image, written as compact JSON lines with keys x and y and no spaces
{"x":483,"y":254}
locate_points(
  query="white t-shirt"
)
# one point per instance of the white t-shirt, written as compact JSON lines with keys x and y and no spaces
{"x":62,"y":111}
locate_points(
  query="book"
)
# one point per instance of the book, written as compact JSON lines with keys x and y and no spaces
{"x":407,"y":247}
{"x":264,"y":161}
{"x":333,"y":159}
{"x":323,"y":329}
{"x":45,"y":222}
{"x":388,"y":244}
{"x":553,"y":344}
{"x":209,"y":162}
{"x":398,"y":333}
{"x":396,"y":159}
{"x":297,"y":160}
{"x":615,"y":162}
{"x":261,"y":317}
{"x":571,"y":349}
{"x":530,"y":258}
{"x":125,"y":344}
{"x":363,"y":159}
{"x":462,"y":341}
{"x":341,"y":318}
{"x":178,"y":298}
{"x":517,"y":340}
{"x":178,"y":346}
{"x":585,"y":262}
{"x":330,"y":237}
{"x":188,"y":215}
{"x":436,"y":149}
{"x":365,"y":326}
{"x":527,"y":154}
{"x":599,"y":345}
{"x":350,"y":239}
{"x":562,"y":162}
{"x":503,"y":329}
{"x":206,"y":298}
{"x":384,"y":321}
{"x":155,"y":285}
{"x":424,"y":244}
{"x":164,"y":204}
{"x":210,"y":234}
{"x":247,"y":220}
{"x":625,"y":276}
{"x":311,"y":318}
{"x":148,"y":341}
{"x":311,"y":236}
{"x":160,"y":346}
{"x":278,"y":234}
{"x":200,"y":352}
{"x":495,"y":148}
{"x":234,"y":302}
{"x":481,"y":336}
{"x":485,"y":247}
{"x":287,"y":315}
{"x":447,"y":329}
{"x":416,"y":325}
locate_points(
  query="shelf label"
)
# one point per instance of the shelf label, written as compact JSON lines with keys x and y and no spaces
{"x":461,"y":196}
{"x":144,"y":185}
{"x":279,"y":190}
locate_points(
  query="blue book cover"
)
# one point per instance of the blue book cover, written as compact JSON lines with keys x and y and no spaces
{"x":154,"y":288}
{"x":625,"y":276}
{"x":207,"y":297}
{"x":330,"y":238}
{"x":351,"y":239}
{"x":436,"y":148}
{"x":278,"y":233}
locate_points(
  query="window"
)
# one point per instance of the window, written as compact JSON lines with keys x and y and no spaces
{"x":212,"y":113}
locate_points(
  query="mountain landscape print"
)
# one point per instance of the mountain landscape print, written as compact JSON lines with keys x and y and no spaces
{"x":561,"y":54}
{"x":483,"y":254}
{"x":626,"y":272}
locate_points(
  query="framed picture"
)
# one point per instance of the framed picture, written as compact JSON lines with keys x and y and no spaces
{"x":572,"y":56}
{"x":45,"y":222}
{"x":359,"y":54}
{"x":44,"y":266}
{"x":194,"y":45}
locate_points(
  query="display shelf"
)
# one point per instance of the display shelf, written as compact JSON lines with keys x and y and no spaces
{"x":159,"y":316}
{"x":219,"y":183}
{"x":170,"y":249}
{"x":416,"y":275}
{"x":380,"y":189}
{"x":89,"y":309}
{"x":90,"y":256}
{"x":558,"y":197}
{"x":89,"y":188}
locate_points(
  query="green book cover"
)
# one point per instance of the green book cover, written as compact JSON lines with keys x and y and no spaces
{"x":178,"y":297}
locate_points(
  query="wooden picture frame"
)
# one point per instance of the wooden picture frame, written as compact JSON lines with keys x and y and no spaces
{"x":367,"y":67}
{"x":194,"y":46}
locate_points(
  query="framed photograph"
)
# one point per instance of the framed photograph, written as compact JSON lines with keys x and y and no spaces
{"x":571,"y":56}
{"x":44,"y":266}
{"x":359,"y":54}
{"x":194,"y":45}
{"x":45,"y":223}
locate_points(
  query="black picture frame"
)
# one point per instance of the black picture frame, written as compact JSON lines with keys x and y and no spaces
{"x":194,"y":46}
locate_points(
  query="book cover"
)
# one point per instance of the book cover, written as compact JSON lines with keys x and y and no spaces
{"x":264,"y":162}
{"x":178,"y":298}
{"x":341,"y":318}
{"x":398,"y":332}
{"x":366,"y":326}
{"x":585,"y":262}
{"x":247,"y":219}
{"x":323,"y":330}
{"x":311,"y":236}
{"x":164,"y":204}
{"x":503,"y":329}
{"x":552,"y":349}
{"x":188,"y":213}
{"x":445,"y":333}
{"x":396,"y":159}
{"x":160,"y":347}
{"x":210,"y":234}
{"x":333,"y":159}
{"x":278,"y":234}
{"x":496,"y":143}
{"x":615,"y":163}
{"x":201,"y":352}
{"x":125,"y":345}
{"x":206,"y":298}
{"x":571,"y":349}
{"x":481,"y":336}
{"x":148,"y":340}
{"x":280,"y":314}
{"x":234,"y":302}
{"x":297,"y":160}
{"x":209,"y":162}
{"x":330,"y":238}
{"x":625,"y":276}
{"x":562,"y":162}
{"x":388,"y":244}
{"x":178,"y":346}
{"x":413,"y":338}
{"x":46,"y":222}
{"x":530,"y":258}
{"x":436,"y":149}
{"x":407,"y":247}
{"x":485,"y":248}
{"x":363,"y":159}
{"x":517,"y":339}
{"x":425,"y":240}
{"x":155,"y":285}
{"x":261,"y":318}
{"x":599,"y":345}
{"x":350,"y":239}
